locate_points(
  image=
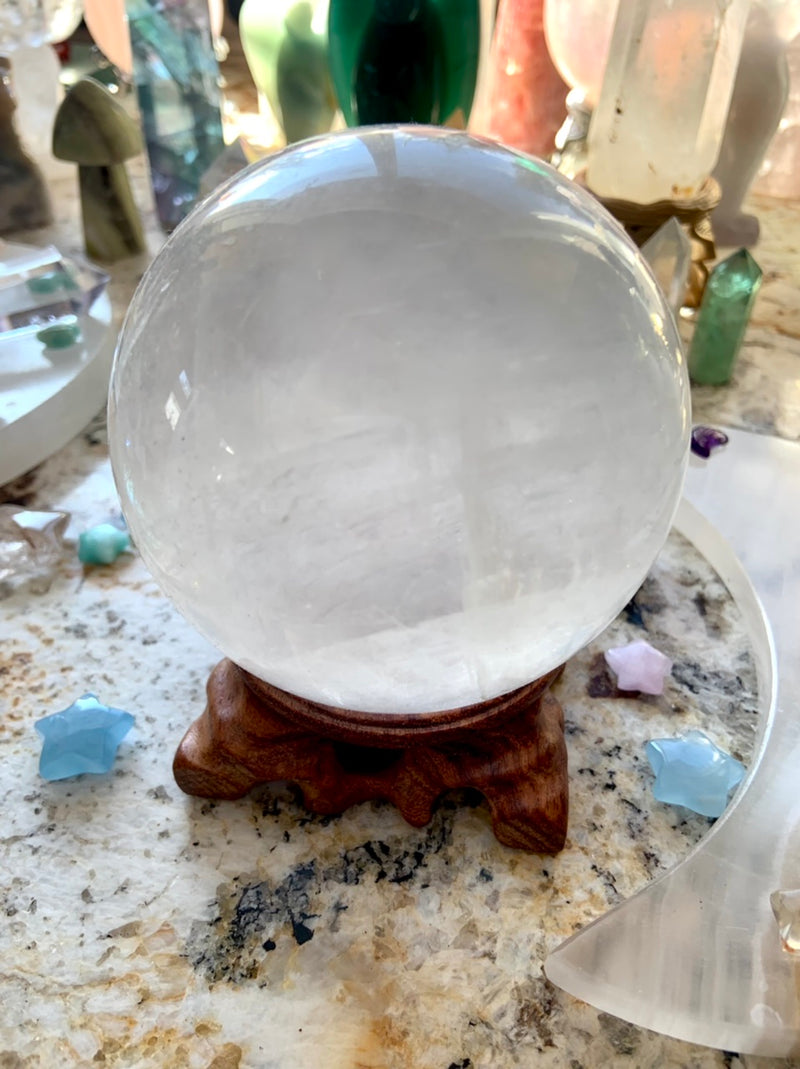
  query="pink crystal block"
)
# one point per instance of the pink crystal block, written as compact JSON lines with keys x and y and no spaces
{"x":639,"y":666}
{"x":524,"y":105}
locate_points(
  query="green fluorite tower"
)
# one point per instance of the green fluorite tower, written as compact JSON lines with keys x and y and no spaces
{"x":177,"y":84}
{"x":722,"y":321}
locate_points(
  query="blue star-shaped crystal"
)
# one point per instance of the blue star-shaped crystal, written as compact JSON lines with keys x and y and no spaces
{"x":692,"y":771}
{"x":83,"y":738}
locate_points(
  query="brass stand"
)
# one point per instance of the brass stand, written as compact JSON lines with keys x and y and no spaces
{"x":642,"y":220}
{"x":511,"y":749}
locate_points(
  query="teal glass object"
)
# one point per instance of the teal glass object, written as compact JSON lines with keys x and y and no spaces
{"x":62,"y":289}
{"x":102,"y":544}
{"x":60,"y":335}
{"x":51,"y":282}
{"x":177,"y":84}
{"x":722,"y":321}
{"x":404,"y":61}
{"x":285,"y":43}
{"x":82,"y":738}
{"x":694,"y":772}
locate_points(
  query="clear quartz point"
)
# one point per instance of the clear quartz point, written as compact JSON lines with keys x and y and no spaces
{"x":786,"y":907}
{"x":669,"y":254}
{"x":656,"y":132}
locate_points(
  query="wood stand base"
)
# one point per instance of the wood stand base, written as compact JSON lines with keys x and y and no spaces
{"x":512,"y":750}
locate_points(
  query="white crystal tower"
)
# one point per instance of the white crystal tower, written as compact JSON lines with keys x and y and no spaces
{"x":656,"y":132}
{"x":399,"y":419}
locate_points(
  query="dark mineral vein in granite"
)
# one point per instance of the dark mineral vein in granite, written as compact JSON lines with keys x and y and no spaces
{"x":250,"y":918}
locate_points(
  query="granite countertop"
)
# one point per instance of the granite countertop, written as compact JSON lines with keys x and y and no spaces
{"x":144,"y":928}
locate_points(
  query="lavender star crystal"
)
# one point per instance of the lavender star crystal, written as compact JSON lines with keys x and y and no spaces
{"x":706,"y":439}
{"x":694,"y":772}
{"x":82,"y":738}
{"x":639,"y":666}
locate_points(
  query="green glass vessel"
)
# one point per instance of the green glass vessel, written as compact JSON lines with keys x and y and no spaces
{"x":722,"y":320}
{"x":404,"y":61}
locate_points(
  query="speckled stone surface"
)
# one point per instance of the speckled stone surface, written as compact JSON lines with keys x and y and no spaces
{"x":177,"y":930}
{"x":142,"y":928}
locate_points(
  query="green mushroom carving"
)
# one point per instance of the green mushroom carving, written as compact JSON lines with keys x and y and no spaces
{"x":93,"y":130}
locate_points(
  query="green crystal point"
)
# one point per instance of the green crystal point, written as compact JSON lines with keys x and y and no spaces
{"x":723,"y":317}
{"x":60,"y":335}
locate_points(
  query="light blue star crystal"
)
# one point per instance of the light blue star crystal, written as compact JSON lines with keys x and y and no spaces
{"x":692,"y":771}
{"x":102,"y":544}
{"x":82,"y":738}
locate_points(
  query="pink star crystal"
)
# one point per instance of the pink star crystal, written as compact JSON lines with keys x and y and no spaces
{"x":639,"y":666}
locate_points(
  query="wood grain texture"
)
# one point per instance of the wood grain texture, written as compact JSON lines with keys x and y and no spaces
{"x":512,"y":750}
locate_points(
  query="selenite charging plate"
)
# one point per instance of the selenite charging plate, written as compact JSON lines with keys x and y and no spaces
{"x":46,"y":400}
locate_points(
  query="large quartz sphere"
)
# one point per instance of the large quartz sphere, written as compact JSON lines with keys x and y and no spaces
{"x":399,"y":419}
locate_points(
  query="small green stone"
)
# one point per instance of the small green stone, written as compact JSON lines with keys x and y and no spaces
{"x":102,"y":544}
{"x":60,"y":335}
{"x":722,"y":320}
{"x":51,"y":282}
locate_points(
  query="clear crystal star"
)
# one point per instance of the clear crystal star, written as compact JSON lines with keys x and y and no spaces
{"x":82,"y":738}
{"x":786,"y":907}
{"x":639,"y":666}
{"x":31,"y":546}
{"x":694,"y":772}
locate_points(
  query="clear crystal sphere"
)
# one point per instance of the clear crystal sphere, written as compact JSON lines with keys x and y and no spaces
{"x":399,"y":419}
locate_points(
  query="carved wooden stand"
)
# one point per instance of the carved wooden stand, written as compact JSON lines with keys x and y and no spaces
{"x":511,"y":749}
